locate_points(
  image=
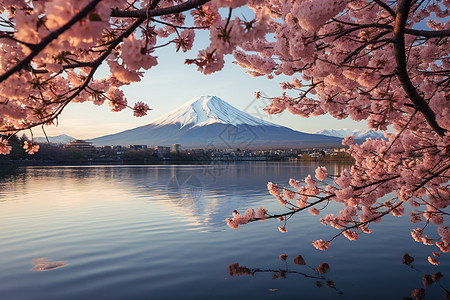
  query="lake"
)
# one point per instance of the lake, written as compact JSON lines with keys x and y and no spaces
{"x":159,"y":232}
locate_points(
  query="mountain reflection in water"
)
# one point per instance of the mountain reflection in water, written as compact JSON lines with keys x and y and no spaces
{"x":144,"y":232}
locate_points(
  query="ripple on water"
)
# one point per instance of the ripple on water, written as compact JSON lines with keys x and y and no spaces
{"x":118,"y":232}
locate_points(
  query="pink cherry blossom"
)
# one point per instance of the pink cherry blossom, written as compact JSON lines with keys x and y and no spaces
{"x":282,"y":229}
{"x":4,"y":147}
{"x":30,"y":148}
{"x":273,"y":189}
{"x":348,"y":140}
{"x":314,"y":211}
{"x":261,"y":213}
{"x":321,"y":173}
{"x":444,"y":232}
{"x":321,"y":245}
{"x":336,"y":57}
{"x":185,"y":40}
{"x":433,"y":261}
{"x":140,"y":109}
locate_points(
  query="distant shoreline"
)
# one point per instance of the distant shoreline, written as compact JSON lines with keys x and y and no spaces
{"x":164,"y":162}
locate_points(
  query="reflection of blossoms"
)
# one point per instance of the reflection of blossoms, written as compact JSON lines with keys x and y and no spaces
{"x":298,"y":260}
{"x":427,"y":279}
{"x":418,"y":294}
{"x":236,"y":270}
{"x":317,"y":274}
{"x":323,"y":268}
{"x":407,"y":259}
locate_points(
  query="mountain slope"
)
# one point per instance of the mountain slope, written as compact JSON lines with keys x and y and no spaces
{"x":209,"y":122}
{"x":358,"y":133}
{"x":59,"y":139}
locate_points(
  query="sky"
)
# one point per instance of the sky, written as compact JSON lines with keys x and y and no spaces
{"x":172,"y":83}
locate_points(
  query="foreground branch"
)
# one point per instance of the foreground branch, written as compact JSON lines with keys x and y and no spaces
{"x":402,"y":74}
{"x":145,"y":13}
{"x":37,"y":48}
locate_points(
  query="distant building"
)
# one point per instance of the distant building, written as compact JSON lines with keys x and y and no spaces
{"x":162,"y":150}
{"x":81,"y":145}
{"x":135,"y":147}
{"x":176,"y":147}
{"x":315,"y":155}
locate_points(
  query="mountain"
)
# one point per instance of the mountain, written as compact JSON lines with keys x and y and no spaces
{"x":358,"y":133}
{"x":209,"y":122}
{"x":59,"y":139}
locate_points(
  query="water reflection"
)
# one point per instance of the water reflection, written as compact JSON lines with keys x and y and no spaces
{"x":317,"y":275}
{"x":138,"y":232}
{"x":184,"y":189}
{"x":427,"y":280}
{"x":45,"y":264}
{"x":203,"y":194}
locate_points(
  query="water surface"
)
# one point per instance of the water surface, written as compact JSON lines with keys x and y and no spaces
{"x":141,"y":232}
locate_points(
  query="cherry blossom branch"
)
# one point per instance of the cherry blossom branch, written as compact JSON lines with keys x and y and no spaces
{"x":386,"y":7}
{"x":400,"y":203}
{"x":179,"y":27}
{"x":402,"y":74}
{"x":95,"y":65}
{"x":322,"y":199}
{"x":417,"y":32}
{"x":37,"y":48}
{"x":146,"y":13}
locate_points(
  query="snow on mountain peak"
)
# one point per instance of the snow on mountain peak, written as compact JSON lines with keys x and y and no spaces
{"x":206,"y":110}
{"x":344,"y":132}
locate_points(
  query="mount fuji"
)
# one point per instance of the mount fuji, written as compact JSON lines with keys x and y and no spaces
{"x":210,"y":122}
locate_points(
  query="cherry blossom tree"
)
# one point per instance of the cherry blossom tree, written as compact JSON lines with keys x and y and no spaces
{"x":382,"y":61}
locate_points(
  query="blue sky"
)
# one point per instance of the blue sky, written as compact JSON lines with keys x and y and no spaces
{"x":172,"y":83}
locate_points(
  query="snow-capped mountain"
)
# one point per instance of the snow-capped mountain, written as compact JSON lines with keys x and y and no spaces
{"x":209,"y":122}
{"x":207,"y":110}
{"x":59,"y":139}
{"x":358,"y":133}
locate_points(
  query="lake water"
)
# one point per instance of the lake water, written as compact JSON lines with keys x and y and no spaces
{"x":158,"y":232}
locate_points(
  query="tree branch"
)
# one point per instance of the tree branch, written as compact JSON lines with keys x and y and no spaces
{"x":148,"y":12}
{"x":416,"y":32}
{"x":428,"y":33}
{"x":37,"y":48}
{"x":386,"y":7}
{"x":402,"y":73}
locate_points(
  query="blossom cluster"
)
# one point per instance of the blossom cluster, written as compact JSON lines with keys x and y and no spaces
{"x":250,"y":215}
{"x":350,"y":68}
